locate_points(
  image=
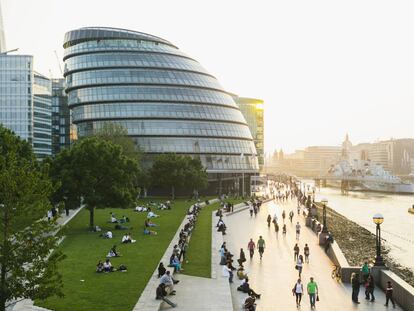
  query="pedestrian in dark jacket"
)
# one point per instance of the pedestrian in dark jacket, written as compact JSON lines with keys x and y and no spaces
{"x":161,"y":294}
{"x":355,"y":287}
{"x":388,"y":294}
{"x":369,"y":288}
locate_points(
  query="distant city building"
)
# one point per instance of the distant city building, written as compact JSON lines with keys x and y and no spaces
{"x":25,"y":102}
{"x":42,"y":116}
{"x":16,"y":94}
{"x":394,"y":155}
{"x":61,"y":121}
{"x":253,"y":112}
{"x":165,"y":100}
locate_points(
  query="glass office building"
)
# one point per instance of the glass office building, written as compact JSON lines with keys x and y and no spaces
{"x":253,"y":112}
{"x":16,"y":94}
{"x":25,"y":102}
{"x":165,"y":99}
{"x":42,"y":116}
{"x":61,"y":122}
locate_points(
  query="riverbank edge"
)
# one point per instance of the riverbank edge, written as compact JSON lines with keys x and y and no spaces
{"x":358,"y":244}
{"x":403,"y":291}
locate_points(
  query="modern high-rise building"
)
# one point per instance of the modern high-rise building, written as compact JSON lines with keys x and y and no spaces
{"x":42,"y":116}
{"x":164,"y":98}
{"x":25,"y":102}
{"x":61,"y":121}
{"x":252,"y":110}
{"x":16,"y":94}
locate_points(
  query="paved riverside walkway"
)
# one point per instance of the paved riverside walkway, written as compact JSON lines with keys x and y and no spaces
{"x":205,"y":294}
{"x":275,"y":275}
{"x":27,"y":304}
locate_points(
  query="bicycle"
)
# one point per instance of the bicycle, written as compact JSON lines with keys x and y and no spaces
{"x":336,"y":273}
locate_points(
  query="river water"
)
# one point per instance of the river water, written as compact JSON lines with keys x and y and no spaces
{"x":398,"y":226}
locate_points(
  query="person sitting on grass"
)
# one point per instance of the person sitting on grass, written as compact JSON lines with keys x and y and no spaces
{"x":100,"y":267}
{"x":121,"y":227}
{"x":107,"y":235}
{"x":124,"y":219}
{"x":127,"y":239}
{"x":161,"y":294}
{"x":149,"y":223}
{"x":108,"y":266}
{"x":151,"y":214}
{"x":149,"y":232}
{"x":112,"y":218}
{"x":140,"y":209}
{"x":113,"y":252}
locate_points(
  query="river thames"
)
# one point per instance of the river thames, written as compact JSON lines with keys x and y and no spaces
{"x":398,"y":226}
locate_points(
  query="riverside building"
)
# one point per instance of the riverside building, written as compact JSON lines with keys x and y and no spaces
{"x":164,"y":98}
{"x":253,"y":112}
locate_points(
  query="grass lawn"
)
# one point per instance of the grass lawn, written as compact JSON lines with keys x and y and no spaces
{"x":85,"y":289}
{"x":199,"y":248}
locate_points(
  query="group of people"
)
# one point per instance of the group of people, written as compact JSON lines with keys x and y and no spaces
{"x":178,"y":256}
{"x":367,"y":280}
{"x":255,"y":205}
{"x":151,"y":205}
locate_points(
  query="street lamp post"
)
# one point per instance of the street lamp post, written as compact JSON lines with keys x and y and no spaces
{"x":324,"y":204}
{"x":378,"y":219}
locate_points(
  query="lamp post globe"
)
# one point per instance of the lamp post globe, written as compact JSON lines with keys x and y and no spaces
{"x":378,"y":219}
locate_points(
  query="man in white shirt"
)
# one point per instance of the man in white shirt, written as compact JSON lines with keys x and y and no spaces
{"x":167,"y":280}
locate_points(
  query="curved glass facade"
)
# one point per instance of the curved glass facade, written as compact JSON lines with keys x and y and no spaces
{"x":166,"y":100}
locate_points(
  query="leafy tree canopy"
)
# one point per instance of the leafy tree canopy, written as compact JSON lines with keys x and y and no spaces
{"x":118,"y":135}
{"x":176,"y":171}
{"x":27,"y":270}
{"x":97,"y":171}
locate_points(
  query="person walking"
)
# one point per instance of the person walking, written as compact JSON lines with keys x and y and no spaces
{"x":313,"y":292}
{"x":306,"y":252}
{"x":297,"y":290}
{"x":251,"y":211}
{"x":261,"y":245}
{"x":365,"y":271}
{"x":297,"y":230}
{"x":269,"y":220}
{"x":296,"y":252}
{"x":355,"y":287}
{"x":242,"y":257}
{"x":291,"y":214}
{"x":284,"y":216}
{"x":276,"y":226}
{"x":284,"y":229}
{"x":388,"y":294}
{"x":369,"y":288}
{"x":251,"y":246}
{"x":299,"y":265}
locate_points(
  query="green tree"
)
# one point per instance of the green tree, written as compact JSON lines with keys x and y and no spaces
{"x":168,"y":171}
{"x":118,"y":135}
{"x":28,"y":269}
{"x":196,"y":177}
{"x":97,"y":171}
{"x":176,"y":171}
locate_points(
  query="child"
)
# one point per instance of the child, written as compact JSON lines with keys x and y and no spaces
{"x":388,"y":294}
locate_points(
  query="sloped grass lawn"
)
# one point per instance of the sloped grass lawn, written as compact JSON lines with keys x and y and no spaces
{"x":85,"y":289}
{"x":199,"y":248}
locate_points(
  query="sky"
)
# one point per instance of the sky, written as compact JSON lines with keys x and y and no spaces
{"x":323,"y":68}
